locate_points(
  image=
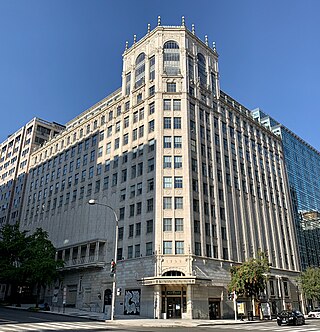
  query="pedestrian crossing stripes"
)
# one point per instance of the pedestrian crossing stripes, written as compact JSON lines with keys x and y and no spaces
{"x":270,"y":327}
{"x":53,"y":326}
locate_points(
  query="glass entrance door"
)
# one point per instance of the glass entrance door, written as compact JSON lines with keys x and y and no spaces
{"x":174,"y":307}
{"x":214,"y":309}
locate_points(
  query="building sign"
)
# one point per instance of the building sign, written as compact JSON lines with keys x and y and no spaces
{"x":132,"y":302}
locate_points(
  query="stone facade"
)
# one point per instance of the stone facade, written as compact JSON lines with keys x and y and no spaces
{"x":196,"y":183}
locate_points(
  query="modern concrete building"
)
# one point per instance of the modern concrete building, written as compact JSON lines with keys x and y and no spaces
{"x":197,"y":185}
{"x":303,"y":168}
{"x":15,"y":154}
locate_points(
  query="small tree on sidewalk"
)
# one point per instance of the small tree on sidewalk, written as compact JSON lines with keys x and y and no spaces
{"x":40,"y":265}
{"x":310,"y":283}
{"x":250,"y":278}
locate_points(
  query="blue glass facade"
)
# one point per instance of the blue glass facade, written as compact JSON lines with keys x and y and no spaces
{"x":303,"y":169}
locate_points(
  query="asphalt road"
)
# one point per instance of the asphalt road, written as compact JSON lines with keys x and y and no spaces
{"x":12,"y":320}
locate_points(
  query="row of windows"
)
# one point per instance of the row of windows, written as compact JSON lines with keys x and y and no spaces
{"x":178,"y":248}
{"x":137,"y":151}
{"x":135,"y":230}
{"x":137,"y":251}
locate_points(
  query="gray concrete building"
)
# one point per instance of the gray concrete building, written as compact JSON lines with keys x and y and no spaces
{"x":197,"y":185}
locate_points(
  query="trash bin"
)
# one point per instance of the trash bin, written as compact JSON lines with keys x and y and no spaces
{"x":250,"y":315}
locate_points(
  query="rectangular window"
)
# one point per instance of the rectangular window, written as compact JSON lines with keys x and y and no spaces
{"x":167,"y":247}
{"x":171,"y":87}
{"x":151,"y":126}
{"x":176,"y":104}
{"x":177,"y":161}
{"x":138,"y":229}
{"x":167,"y":142}
{"x":178,"y":203}
{"x":176,"y":123}
{"x":167,"y":224}
{"x":128,"y":83}
{"x":197,"y":248}
{"x":141,"y":113}
{"x":178,"y":182}
{"x":137,"y":250}
{"x":135,"y":117}
{"x":131,"y":231}
{"x":130,"y":252}
{"x":167,"y":104}
{"x":178,"y":224}
{"x":117,"y":143}
{"x":151,"y":108}
{"x":150,"y":205}
{"x":126,"y":122}
{"x":167,"y":182}
{"x":150,"y":164}
{"x":177,"y":142}
{"x":114,"y":179}
{"x":141,"y":131}
{"x":152,"y":62}
{"x":152,"y":90}
{"x":150,"y":226}
{"x":179,"y":248}
{"x":139,"y":208}
{"x":166,"y":123}
{"x":125,"y":139}
{"x":167,"y":203}
{"x":149,"y":249}
{"x":167,"y":161}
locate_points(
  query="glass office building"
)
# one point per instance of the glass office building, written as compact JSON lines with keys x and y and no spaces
{"x":303,"y":169}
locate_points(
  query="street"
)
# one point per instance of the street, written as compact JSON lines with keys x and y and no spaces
{"x":12,"y":320}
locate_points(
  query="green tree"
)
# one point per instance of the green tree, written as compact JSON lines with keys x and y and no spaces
{"x":310,"y":283}
{"x":12,"y":245}
{"x":250,"y":278}
{"x":27,"y":259}
{"x":40,"y":266}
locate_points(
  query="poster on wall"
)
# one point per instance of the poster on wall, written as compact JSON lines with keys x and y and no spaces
{"x":132,"y":302}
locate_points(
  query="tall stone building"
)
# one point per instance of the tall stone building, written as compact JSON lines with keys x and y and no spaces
{"x":303,"y":168}
{"x":197,"y":185}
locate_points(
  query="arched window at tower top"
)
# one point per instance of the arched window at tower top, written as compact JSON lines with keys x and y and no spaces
{"x":202,"y":69}
{"x":140,"y":70}
{"x":171,"y":58}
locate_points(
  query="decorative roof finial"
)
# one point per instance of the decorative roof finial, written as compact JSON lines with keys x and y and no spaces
{"x":148,"y":27}
{"x":193,"y":29}
{"x":182,"y":21}
{"x":159,"y":20}
{"x":134,"y":38}
{"x":206,"y":40}
{"x":127,"y":43}
{"x":214,"y":45}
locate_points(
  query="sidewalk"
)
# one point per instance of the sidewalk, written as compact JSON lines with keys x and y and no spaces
{"x":122,"y":320}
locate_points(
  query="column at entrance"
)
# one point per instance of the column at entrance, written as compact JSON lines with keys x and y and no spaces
{"x":189,"y":302}
{"x":157,"y":301}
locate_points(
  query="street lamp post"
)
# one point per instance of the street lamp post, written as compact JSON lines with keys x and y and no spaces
{"x":113,"y":300}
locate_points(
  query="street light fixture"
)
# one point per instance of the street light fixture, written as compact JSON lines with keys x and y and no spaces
{"x":113,"y":301}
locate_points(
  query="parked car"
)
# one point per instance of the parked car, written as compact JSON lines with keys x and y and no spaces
{"x":290,"y":317}
{"x":314,"y":313}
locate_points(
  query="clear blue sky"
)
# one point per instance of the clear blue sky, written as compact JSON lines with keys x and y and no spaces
{"x":59,"y":57}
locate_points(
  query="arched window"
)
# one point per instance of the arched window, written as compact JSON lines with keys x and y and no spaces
{"x":140,"y":70}
{"x":202,"y":69}
{"x":171,"y":58}
{"x":173,"y":274}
